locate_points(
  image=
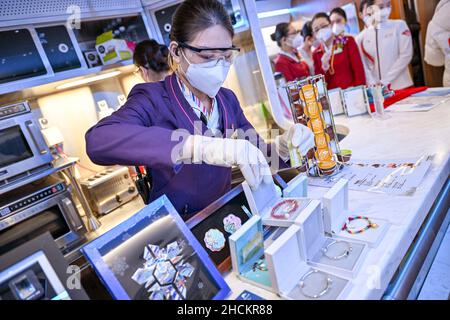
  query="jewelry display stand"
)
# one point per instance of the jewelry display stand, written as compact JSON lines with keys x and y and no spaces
{"x":293,"y":279}
{"x":267,"y":203}
{"x":310,"y":106}
{"x":339,"y":257}
{"x":342,"y":223}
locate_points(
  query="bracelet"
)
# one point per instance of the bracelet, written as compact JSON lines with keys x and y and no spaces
{"x":338,"y":257}
{"x":351,"y":230}
{"x":284,"y":209}
{"x":327,"y":288}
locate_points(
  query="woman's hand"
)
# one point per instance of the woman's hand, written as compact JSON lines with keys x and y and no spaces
{"x":299,"y":136}
{"x":228,"y":153}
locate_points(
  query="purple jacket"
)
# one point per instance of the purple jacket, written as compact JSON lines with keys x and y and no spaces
{"x":139,"y":133}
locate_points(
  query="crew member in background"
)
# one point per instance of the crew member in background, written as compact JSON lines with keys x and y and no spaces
{"x":151,"y":60}
{"x":337,"y":57}
{"x":306,"y":50}
{"x":386,"y":45}
{"x":288,"y":61}
{"x":338,"y":19}
{"x":437,"y":46}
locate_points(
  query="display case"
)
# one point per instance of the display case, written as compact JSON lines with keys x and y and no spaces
{"x":337,"y":101}
{"x":274,"y":210}
{"x":342,"y":223}
{"x":216,"y":223}
{"x":356,"y":101}
{"x":293,"y":278}
{"x":339,"y":257}
{"x":37,"y":270}
{"x":154,"y":256}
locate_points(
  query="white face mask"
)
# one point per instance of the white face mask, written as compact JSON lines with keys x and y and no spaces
{"x":384,"y":14}
{"x":338,"y":28}
{"x":295,"y":41}
{"x":325,"y":34}
{"x":207,"y":77}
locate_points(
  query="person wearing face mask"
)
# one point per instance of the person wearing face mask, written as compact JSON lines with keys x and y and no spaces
{"x":151,"y":60}
{"x":166,"y":126}
{"x":338,"y":19}
{"x":289,"y":62}
{"x":306,"y":50}
{"x":337,"y":57}
{"x":437,"y":45}
{"x":386,"y":45}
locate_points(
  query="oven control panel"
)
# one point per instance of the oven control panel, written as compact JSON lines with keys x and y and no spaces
{"x":31,"y":199}
{"x":13,"y":109}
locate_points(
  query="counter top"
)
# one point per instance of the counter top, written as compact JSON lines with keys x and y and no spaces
{"x":403,"y":135}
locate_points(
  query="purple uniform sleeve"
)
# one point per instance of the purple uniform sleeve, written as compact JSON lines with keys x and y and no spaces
{"x":128,"y":137}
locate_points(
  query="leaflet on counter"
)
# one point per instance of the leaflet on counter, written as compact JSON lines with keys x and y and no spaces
{"x":396,"y":177}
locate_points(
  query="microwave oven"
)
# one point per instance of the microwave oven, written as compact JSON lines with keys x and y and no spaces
{"x":23,"y":151}
{"x":36,"y":208}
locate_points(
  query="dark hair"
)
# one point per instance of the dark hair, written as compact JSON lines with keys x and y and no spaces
{"x":151,"y":55}
{"x":194,"y":16}
{"x":365,"y":3}
{"x":281,"y":31}
{"x":340,"y":12}
{"x":320,"y":15}
{"x":307,"y":30}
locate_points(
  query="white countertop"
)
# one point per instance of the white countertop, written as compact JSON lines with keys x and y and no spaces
{"x":403,"y":135}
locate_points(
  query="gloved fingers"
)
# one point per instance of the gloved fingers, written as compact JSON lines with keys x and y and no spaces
{"x":264,"y":168}
{"x":249,"y":175}
{"x":305,"y":147}
{"x":301,"y":135}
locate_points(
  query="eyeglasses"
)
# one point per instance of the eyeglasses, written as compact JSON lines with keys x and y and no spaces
{"x":210,"y":54}
{"x":316,"y":30}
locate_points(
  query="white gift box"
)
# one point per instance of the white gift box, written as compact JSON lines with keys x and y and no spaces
{"x":287,"y":268}
{"x":265,"y":198}
{"x":246,"y":249}
{"x":297,"y":187}
{"x":314,"y":241}
{"x":356,"y":101}
{"x":336,"y":212}
{"x":336,"y":101}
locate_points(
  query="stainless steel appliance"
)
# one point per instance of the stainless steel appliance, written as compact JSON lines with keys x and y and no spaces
{"x":23,"y":151}
{"x":41,"y":206}
{"x":109,"y":189}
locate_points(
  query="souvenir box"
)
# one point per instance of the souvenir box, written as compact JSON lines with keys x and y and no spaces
{"x":293,"y":279}
{"x":337,"y":101}
{"x":216,"y":223}
{"x":297,"y":187}
{"x":311,"y":107}
{"x":339,"y":257}
{"x":37,"y":270}
{"x":356,"y":101}
{"x":154,"y":256}
{"x":247,"y":253}
{"x":271,"y":207}
{"x":340,"y":222}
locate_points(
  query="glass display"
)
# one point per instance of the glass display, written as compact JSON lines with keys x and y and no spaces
{"x":13,"y":146}
{"x":153,"y":256}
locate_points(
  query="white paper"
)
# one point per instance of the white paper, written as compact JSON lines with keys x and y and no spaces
{"x":396,"y":177}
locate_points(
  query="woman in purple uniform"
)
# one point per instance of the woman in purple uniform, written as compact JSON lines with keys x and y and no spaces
{"x":186,"y":129}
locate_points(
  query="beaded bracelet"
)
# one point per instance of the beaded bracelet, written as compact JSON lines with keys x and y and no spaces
{"x":284,"y":209}
{"x":369,"y":225}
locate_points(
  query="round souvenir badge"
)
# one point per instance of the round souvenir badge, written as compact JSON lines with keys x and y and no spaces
{"x":231,"y":223}
{"x":214,"y":240}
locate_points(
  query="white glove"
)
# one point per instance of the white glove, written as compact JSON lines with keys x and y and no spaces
{"x":227,"y":153}
{"x":299,"y":136}
{"x":326,"y":60}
